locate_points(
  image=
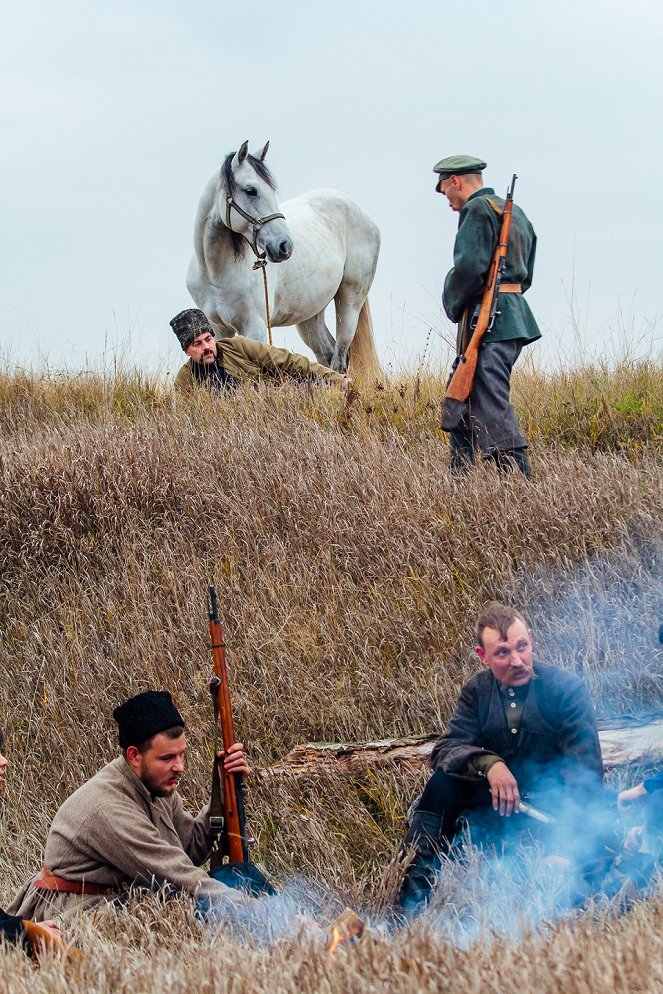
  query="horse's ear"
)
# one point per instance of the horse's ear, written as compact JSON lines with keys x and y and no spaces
{"x":263,"y":152}
{"x":242,"y":154}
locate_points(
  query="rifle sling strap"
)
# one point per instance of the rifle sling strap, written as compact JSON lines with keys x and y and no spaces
{"x":216,"y":805}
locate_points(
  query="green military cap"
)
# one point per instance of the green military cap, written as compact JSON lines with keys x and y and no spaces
{"x":456,"y":165}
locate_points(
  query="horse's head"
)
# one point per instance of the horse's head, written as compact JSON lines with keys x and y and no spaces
{"x":247,"y":203}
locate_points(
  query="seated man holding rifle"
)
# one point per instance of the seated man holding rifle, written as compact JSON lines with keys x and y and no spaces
{"x":486,"y":419}
{"x":519,"y":731}
{"x":127,"y":826}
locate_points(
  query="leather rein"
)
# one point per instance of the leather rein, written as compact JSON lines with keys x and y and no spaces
{"x":261,"y":258}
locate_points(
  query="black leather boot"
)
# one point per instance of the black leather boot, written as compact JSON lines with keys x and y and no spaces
{"x":424,"y":835}
{"x":508,"y":460}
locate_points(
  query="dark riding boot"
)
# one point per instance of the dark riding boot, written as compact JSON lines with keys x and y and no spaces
{"x":461,"y":453}
{"x":507,"y":460}
{"x":424,"y":836}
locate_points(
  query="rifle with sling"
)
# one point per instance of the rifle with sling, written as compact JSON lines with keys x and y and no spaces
{"x":229,"y":860}
{"x":459,"y":386}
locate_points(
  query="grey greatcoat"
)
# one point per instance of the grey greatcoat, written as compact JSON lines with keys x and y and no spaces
{"x":112,"y":832}
{"x":556,"y":745}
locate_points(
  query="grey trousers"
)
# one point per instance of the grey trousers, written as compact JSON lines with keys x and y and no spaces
{"x":491,"y":424}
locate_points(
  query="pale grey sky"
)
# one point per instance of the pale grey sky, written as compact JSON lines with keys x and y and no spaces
{"x":115,"y":114}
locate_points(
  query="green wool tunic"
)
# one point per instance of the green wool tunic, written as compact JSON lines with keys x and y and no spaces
{"x":478,"y":232}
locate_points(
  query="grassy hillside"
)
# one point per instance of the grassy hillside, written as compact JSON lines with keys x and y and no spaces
{"x":350,"y":568}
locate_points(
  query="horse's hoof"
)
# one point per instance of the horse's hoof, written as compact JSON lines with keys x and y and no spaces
{"x":339,"y":364}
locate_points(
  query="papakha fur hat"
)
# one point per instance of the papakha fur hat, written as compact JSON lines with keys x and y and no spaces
{"x":188,"y":324}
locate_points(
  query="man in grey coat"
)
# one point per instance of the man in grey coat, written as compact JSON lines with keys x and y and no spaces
{"x":490,"y":423}
{"x":519,"y":731}
{"x":127,"y":826}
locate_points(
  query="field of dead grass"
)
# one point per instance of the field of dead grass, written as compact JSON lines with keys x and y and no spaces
{"x":350,"y":568}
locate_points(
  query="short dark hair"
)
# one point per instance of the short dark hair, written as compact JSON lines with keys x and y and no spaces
{"x":173,"y":732}
{"x":500,"y":617}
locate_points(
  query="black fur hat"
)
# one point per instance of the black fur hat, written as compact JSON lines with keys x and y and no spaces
{"x":145,"y":715}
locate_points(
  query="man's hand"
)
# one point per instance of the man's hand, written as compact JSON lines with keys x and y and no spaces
{"x":504,"y":788}
{"x":633,"y":840}
{"x":345,"y":383}
{"x":234,"y":761}
{"x":52,"y":928}
{"x":626,"y":797}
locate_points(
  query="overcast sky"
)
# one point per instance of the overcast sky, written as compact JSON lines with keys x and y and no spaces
{"x":115,"y":115}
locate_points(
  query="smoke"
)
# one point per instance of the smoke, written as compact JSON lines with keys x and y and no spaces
{"x":508,"y":876}
{"x":601,"y":619}
{"x":503,"y":879}
{"x":298,"y":906}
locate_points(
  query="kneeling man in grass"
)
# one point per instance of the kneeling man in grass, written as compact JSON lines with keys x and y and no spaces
{"x":520,"y":731}
{"x":127,"y":826}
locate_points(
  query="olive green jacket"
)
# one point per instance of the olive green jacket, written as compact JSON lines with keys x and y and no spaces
{"x":478,"y":231}
{"x":246,"y":359}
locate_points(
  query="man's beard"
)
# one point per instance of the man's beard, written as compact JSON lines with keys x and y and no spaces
{"x":156,"y":790}
{"x":213,"y":374}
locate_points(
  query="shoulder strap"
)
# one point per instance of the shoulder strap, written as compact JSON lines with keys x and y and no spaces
{"x":496,"y":207}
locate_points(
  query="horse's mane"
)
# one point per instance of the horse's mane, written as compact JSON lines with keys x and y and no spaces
{"x":238,"y":241}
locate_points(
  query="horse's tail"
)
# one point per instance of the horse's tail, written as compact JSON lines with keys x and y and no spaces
{"x":364,"y":363}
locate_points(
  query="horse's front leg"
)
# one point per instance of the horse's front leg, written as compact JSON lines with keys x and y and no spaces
{"x":254,"y":326}
{"x":316,"y":335}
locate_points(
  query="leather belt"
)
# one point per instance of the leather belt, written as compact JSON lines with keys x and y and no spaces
{"x":51,"y":881}
{"x":511,"y":288}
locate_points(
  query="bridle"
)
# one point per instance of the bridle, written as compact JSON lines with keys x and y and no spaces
{"x":255,"y":222}
{"x":261,"y":258}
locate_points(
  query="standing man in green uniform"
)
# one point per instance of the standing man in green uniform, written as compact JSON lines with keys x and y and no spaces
{"x":490,"y":424}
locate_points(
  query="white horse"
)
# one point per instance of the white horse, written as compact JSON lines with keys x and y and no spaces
{"x":334,"y":246}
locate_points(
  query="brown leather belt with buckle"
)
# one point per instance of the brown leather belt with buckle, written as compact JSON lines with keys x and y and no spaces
{"x":51,"y":881}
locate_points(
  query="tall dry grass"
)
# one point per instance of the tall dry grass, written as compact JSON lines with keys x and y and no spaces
{"x":350,"y":567}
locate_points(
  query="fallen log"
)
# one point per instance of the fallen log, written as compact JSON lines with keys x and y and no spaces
{"x":625,"y":741}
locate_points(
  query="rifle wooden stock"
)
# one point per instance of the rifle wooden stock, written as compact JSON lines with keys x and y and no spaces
{"x":235,"y":842}
{"x":460,"y":384}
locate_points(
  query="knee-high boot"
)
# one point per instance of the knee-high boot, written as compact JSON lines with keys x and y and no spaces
{"x":424,"y":836}
{"x":509,"y":459}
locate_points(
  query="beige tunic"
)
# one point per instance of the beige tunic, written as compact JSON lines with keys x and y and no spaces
{"x":246,"y":359}
{"x":111,"y":831}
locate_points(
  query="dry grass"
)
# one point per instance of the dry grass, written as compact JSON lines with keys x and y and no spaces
{"x":349,"y":567}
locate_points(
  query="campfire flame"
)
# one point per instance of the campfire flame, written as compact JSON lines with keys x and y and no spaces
{"x":348,"y":928}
